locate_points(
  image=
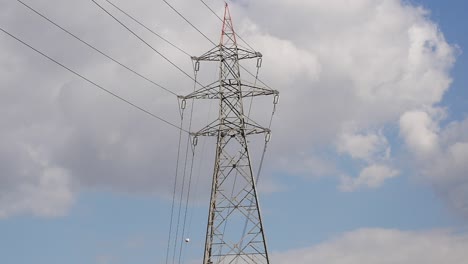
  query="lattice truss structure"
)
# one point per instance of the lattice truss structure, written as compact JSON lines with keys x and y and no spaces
{"x":235,"y":231}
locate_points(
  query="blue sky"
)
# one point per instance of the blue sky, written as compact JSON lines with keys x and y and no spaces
{"x":449,"y":16}
{"x":111,"y":220}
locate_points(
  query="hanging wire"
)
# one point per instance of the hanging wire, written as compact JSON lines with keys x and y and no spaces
{"x":194,"y":144}
{"x":201,"y":159}
{"x":175,"y":187}
{"x":185,"y":174}
{"x":142,"y":40}
{"x":267,"y":136}
{"x":94,"y":48}
{"x":188,"y":21}
{"x":259,"y":64}
{"x":207,"y":38}
{"x":214,"y":13}
{"x":93,"y":83}
{"x":196,"y":67}
{"x":149,"y":45}
{"x":147,"y":28}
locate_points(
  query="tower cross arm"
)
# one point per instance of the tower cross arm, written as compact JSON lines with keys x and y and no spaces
{"x":230,"y":89}
{"x":221,"y":52}
{"x":230,"y":129}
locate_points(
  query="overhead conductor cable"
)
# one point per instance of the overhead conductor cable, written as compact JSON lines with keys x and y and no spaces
{"x":142,"y":40}
{"x":94,"y":48}
{"x":91,"y":82}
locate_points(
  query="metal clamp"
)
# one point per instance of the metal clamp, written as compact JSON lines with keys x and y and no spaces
{"x":267,"y":137}
{"x":276,"y":99}
{"x":183,"y":104}
{"x":259,"y":62}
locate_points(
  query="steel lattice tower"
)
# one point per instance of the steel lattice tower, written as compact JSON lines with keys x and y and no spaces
{"x":235,"y":231}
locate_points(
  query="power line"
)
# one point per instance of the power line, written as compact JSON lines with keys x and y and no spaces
{"x":91,"y":82}
{"x":140,"y":38}
{"x":147,"y":28}
{"x":136,"y":35}
{"x":190,"y":23}
{"x":185,"y":168}
{"x":94,"y":48}
{"x":169,"y":239}
{"x":212,"y":11}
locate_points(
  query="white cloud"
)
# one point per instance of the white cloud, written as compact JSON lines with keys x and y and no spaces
{"x":269,"y":186}
{"x":368,"y":147}
{"x":286,"y":57}
{"x":383,"y":246}
{"x":308,"y":165}
{"x":374,"y":150}
{"x":419,"y":132}
{"x":447,"y":172}
{"x":365,"y":63}
{"x":440,"y":156}
{"x":377,"y":60}
{"x":105,"y":259}
{"x":38,"y":188}
{"x":372,"y":177}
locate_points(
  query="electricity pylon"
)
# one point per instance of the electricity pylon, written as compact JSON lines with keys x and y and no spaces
{"x":235,"y":231}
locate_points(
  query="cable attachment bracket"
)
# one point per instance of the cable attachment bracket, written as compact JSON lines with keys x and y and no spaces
{"x":275,"y":102}
{"x":259,"y":62}
{"x":182,"y":104}
{"x":196,"y":66}
{"x":268,"y":136}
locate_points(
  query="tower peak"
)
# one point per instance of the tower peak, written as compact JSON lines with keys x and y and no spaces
{"x":228,"y":35}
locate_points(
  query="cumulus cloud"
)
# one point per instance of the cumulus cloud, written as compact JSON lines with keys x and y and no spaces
{"x":365,"y":63}
{"x":372,"y":177}
{"x":105,"y":259}
{"x":37,"y":187}
{"x":419,"y":132}
{"x":376,"y":61}
{"x":383,"y":246}
{"x":440,"y":156}
{"x":374,"y":150}
{"x":367,"y":147}
{"x":308,"y":165}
